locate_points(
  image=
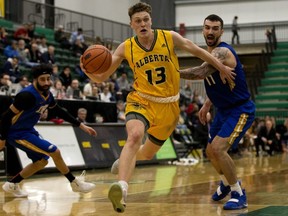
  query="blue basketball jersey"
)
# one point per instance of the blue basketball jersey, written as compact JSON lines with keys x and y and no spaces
{"x":225,"y":95}
{"x":27,"y":119}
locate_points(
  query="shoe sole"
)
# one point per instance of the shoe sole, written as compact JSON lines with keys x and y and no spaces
{"x":238,"y":208}
{"x":115,"y":196}
{"x":83,"y":191}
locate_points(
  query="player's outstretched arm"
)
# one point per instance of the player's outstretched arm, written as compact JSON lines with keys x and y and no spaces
{"x":200,"y":72}
{"x":187,"y":45}
{"x":62,"y":113}
{"x":196,"y":73}
{"x":88,"y":129}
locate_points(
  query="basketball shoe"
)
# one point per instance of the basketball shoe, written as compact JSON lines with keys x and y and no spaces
{"x":117,"y":195}
{"x":79,"y":184}
{"x":236,"y":201}
{"x":221,"y":192}
{"x":115,"y":167}
{"x":14,"y":188}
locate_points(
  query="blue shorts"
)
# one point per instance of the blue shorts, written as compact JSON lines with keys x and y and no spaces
{"x":232,"y":123}
{"x":30,"y":142}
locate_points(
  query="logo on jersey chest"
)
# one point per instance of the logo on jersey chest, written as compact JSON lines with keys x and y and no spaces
{"x":42,"y":109}
{"x":152,"y":58}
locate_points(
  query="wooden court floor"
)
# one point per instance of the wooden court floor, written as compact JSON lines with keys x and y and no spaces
{"x":158,"y":190}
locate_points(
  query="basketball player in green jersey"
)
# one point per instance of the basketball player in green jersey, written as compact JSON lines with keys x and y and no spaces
{"x":153,"y":105}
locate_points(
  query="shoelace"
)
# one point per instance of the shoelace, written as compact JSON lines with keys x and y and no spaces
{"x":82,"y":176}
{"x":14,"y":186}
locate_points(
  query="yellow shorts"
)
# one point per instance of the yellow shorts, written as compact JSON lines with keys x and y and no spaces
{"x":161,"y":118}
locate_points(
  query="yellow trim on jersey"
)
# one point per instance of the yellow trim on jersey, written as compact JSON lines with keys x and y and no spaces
{"x":31,"y":146}
{"x":16,"y":117}
{"x":239,"y":128}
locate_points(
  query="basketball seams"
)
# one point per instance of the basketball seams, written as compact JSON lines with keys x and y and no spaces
{"x":98,"y":59}
{"x":103,"y":62}
{"x":97,"y":55}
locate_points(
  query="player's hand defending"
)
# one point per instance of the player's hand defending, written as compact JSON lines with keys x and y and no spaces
{"x":203,"y":114}
{"x":88,"y":129}
{"x":227,"y":74}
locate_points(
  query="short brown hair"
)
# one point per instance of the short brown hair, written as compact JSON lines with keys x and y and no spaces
{"x":139,"y":7}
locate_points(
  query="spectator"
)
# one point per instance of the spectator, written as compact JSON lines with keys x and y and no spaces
{"x":120,"y":111}
{"x":123,"y":82}
{"x":34,"y":53}
{"x":106,"y":95}
{"x":55,"y":73}
{"x":57,"y":90}
{"x":3,"y":37}
{"x":22,"y":33}
{"x":282,"y":130}
{"x":66,"y":77}
{"x":266,"y":138}
{"x":78,"y":48}
{"x":197,"y":98}
{"x":42,"y":46}
{"x":11,"y":50}
{"x":15,"y":88}
{"x":98,"y":118}
{"x":235,"y":29}
{"x":124,"y":85}
{"x":31,"y":30}
{"x":5,"y":84}
{"x":187,"y":92}
{"x":73,"y":91}
{"x":87,"y":90}
{"x":49,"y":56}
{"x":77,"y":35}
{"x":98,"y":40}
{"x":61,"y":38}
{"x":82,"y":115}
{"x":11,"y":68}
{"x":95,"y":94}
{"x":24,"y":54}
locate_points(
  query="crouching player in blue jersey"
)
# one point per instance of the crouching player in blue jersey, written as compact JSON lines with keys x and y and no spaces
{"x":17,"y":128}
{"x":234,"y":111}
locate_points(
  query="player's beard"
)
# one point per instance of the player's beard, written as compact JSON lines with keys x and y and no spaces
{"x":211,"y":40}
{"x":44,"y":89}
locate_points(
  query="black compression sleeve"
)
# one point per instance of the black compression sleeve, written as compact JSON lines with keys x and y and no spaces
{"x":5,"y":123}
{"x":24,"y":100}
{"x":62,"y":113}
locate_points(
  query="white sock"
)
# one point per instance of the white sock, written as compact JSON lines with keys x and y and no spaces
{"x":224,"y":180}
{"x":236,"y":187}
{"x":124,"y":185}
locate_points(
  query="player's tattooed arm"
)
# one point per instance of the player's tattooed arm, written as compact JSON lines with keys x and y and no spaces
{"x":204,"y":70}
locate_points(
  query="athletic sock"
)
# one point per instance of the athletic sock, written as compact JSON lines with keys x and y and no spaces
{"x":70,"y":176}
{"x":124,"y":185}
{"x":17,"y":178}
{"x":236,"y":187}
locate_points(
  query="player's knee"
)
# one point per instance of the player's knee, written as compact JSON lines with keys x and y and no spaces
{"x":135,"y":136}
{"x":55,"y":154}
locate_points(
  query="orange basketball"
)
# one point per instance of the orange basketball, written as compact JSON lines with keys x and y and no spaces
{"x":96,"y":59}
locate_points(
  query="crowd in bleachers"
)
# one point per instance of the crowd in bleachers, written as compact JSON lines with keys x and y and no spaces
{"x":24,"y":48}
